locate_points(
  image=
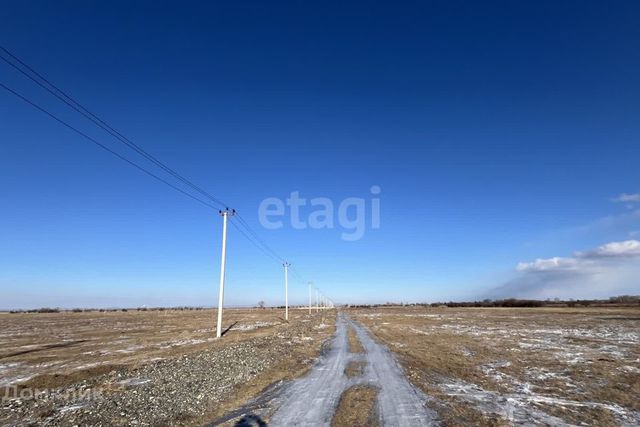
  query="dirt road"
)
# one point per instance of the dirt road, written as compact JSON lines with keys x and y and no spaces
{"x":313,"y":400}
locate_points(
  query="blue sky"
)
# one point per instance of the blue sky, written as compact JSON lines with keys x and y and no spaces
{"x":498,"y":133}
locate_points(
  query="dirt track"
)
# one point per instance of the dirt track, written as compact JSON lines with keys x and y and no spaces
{"x":313,"y":400}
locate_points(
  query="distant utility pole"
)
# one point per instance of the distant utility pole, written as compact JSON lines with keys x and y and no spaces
{"x":286,"y":266}
{"x":225,"y":215}
{"x":317,"y":306}
{"x":309,"y":298}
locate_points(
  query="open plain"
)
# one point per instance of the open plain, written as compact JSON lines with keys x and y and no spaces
{"x":366,"y":366}
{"x":147,"y":367}
{"x":520,"y":366}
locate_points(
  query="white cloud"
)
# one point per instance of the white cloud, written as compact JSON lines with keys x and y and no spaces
{"x":628,"y":248}
{"x":628,"y":198}
{"x":607,"y":270}
{"x":550,"y":264}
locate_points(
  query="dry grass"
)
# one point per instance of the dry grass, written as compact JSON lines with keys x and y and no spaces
{"x":357,"y":408}
{"x":58,"y":348}
{"x":354,"y":343}
{"x":297,"y":364}
{"x":355,"y":369}
{"x":34,"y":353}
{"x":581,"y":365}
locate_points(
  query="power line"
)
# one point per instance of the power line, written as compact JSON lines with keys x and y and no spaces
{"x":253,"y":242}
{"x":54,"y":90}
{"x":250,"y":234}
{"x":297,"y":274}
{"x":255,"y":235}
{"x":262,"y":245}
{"x":75,"y":105}
{"x":104,"y":147}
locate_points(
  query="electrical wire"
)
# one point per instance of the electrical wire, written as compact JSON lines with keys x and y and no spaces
{"x":250,"y":239}
{"x":99,"y":144}
{"x":75,"y":105}
{"x":258,"y":239}
{"x":54,"y":90}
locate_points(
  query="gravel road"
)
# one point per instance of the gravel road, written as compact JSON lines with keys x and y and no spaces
{"x":312,"y":400}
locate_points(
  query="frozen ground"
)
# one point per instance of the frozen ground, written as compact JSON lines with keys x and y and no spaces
{"x":520,"y":366}
{"x":36,"y":344}
{"x":313,"y":399}
{"x":191,"y":384}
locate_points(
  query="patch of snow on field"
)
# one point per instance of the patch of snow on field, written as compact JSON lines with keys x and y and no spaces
{"x":371,"y":315}
{"x":252,"y":326}
{"x":70,"y":408}
{"x":179,"y":343}
{"x":491,"y":370}
{"x":519,"y":407}
{"x":507,"y":407}
{"x":467,"y":353}
{"x":539,"y":374}
{"x":423,"y":315}
{"x":418,"y":331}
{"x":130,"y":349}
{"x":572,"y":358}
{"x":6,"y":381}
{"x":613,"y":351}
{"x":87,"y":366}
{"x":10,"y":373}
{"x":8,"y":366}
{"x":133,"y":382}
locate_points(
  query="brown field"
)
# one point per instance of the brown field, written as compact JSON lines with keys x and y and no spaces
{"x":479,"y":366}
{"x":118,"y":353}
{"x":500,"y":366}
{"x":33,"y":344}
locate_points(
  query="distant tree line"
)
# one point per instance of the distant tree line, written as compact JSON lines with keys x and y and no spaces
{"x":623,"y":300}
{"x":103,"y":310}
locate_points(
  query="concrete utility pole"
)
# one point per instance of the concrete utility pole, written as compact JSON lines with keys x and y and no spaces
{"x":225,"y":215}
{"x":317,"y":306}
{"x":309,"y":298}
{"x":286,"y":266}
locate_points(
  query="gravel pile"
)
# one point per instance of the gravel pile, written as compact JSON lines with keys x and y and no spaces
{"x":164,"y":392}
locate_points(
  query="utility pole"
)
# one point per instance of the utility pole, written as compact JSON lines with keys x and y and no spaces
{"x":309,"y":298}
{"x":225,"y":215}
{"x":317,"y":306}
{"x":286,"y":266}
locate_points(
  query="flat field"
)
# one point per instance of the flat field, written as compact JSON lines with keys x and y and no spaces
{"x":34,"y":344}
{"x":516,"y":366}
{"x":147,"y":367}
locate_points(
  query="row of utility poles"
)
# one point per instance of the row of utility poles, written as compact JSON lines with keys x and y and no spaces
{"x":322,"y":302}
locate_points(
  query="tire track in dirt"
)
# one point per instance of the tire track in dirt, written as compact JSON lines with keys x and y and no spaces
{"x":313,"y":399}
